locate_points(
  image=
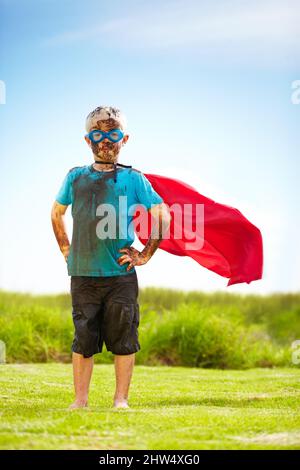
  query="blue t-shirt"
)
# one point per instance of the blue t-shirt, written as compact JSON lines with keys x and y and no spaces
{"x":102,"y":221}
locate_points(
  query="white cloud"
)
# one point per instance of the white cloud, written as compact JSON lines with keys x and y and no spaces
{"x":230,"y":28}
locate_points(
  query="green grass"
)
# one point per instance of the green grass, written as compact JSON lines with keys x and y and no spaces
{"x":171,"y":408}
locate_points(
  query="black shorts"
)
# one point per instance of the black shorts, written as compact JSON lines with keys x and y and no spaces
{"x":105,"y":309}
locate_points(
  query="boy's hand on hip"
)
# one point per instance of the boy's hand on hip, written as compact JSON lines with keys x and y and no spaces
{"x":133,"y":257}
{"x":65,"y":251}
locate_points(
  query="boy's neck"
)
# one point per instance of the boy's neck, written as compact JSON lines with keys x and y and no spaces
{"x":103,"y":166}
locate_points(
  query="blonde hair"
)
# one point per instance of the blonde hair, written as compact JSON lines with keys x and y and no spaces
{"x":102,"y":113}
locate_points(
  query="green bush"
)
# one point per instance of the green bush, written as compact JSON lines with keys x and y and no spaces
{"x":210,"y":330}
{"x":211,"y":337}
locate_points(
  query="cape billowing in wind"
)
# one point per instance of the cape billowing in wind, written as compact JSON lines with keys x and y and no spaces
{"x":231,"y":245}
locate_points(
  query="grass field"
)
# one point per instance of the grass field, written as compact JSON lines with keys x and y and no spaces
{"x":171,"y":408}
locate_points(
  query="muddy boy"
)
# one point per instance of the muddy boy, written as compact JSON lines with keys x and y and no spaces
{"x":104,"y":284}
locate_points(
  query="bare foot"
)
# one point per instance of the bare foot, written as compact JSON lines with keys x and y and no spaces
{"x":121,"y":404}
{"x":78,"y":404}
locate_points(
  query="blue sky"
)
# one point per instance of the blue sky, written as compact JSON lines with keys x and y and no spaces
{"x":206,"y":89}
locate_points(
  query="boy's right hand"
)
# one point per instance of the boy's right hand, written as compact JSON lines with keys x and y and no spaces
{"x":65,"y":251}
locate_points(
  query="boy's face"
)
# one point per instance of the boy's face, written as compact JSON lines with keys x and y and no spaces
{"x":107,"y":150}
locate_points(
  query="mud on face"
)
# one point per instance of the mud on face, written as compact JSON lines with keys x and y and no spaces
{"x":107,"y":150}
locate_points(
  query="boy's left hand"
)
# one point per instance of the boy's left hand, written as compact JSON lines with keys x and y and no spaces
{"x":133,"y":257}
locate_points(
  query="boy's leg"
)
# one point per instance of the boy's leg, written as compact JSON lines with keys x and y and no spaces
{"x":86,"y":309}
{"x":82,"y":372}
{"x":120,"y":331}
{"x":123,"y":371}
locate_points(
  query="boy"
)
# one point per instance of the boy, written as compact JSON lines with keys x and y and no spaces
{"x":104,"y":285}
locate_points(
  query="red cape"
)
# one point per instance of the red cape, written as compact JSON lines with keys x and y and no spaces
{"x":232,"y":245}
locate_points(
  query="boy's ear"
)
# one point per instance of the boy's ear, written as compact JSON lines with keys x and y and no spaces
{"x":125,"y":138}
{"x":87,"y":140}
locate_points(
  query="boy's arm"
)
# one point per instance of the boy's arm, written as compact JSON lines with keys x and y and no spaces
{"x":162,"y":219}
{"x":58,"y":224}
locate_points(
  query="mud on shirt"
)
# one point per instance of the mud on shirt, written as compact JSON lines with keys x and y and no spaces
{"x":86,"y":188}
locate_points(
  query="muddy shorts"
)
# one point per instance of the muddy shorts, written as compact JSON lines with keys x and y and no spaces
{"x":105,"y":310}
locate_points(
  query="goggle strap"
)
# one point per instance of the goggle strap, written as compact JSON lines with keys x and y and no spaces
{"x":115,"y":167}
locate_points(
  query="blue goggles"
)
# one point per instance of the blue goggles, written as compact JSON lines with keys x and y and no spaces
{"x":96,"y":136}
